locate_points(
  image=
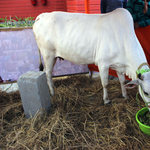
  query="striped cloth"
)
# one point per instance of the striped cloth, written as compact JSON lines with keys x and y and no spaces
{"x":135,"y":7}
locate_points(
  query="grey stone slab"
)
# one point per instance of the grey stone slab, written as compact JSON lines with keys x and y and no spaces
{"x":34,"y":92}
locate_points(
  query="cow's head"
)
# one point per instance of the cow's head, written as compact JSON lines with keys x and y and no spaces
{"x":143,"y":81}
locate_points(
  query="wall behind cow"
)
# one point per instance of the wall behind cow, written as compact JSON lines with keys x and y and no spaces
{"x":19,"y":54}
{"x":79,"y":6}
{"x":24,"y":8}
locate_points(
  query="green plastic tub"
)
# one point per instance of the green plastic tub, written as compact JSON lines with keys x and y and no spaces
{"x":144,"y":128}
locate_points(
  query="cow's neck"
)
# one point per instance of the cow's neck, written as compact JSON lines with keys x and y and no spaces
{"x":136,"y":59}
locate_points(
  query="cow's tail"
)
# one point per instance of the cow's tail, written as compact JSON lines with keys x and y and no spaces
{"x":41,"y":67}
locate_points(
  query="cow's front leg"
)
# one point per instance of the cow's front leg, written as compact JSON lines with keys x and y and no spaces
{"x":104,"y":79}
{"x":122,"y":82}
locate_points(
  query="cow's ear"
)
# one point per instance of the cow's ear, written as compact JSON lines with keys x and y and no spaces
{"x":132,"y":84}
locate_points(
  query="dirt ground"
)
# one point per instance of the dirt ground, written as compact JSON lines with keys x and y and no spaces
{"x":78,"y":119}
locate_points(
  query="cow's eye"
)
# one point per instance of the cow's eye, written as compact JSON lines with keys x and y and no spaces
{"x":145,"y":93}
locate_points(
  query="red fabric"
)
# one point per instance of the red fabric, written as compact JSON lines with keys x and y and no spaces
{"x":43,"y":2}
{"x":143,"y":35}
{"x":93,"y":67}
{"x":33,"y":2}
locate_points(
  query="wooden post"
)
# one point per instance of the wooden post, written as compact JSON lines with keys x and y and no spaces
{"x":87,"y":6}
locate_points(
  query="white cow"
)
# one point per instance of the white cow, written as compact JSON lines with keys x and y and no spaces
{"x":108,"y":40}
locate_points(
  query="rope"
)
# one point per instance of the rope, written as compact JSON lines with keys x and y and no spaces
{"x":142,"y":93}
{"x":146,"y":103}
{"x":143,"y":64}
{"x":143,"y":70}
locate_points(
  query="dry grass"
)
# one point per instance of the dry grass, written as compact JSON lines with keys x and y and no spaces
{"x":78,"y":120}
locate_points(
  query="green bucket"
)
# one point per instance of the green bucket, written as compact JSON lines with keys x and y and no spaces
{"x":144,"y":128}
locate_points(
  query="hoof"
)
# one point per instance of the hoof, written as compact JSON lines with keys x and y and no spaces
{"x":107,"y":102}
{"x":126,"y":97}
{"x":52,"y":93}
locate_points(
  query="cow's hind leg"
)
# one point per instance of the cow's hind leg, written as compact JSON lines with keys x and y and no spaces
{"x":122,"y":82}
{"x":49,"y":61}
{"x":104,"y":79}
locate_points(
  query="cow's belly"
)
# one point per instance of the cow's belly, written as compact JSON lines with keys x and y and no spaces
{"x":78,"y":53}
{"x":81,"y":57}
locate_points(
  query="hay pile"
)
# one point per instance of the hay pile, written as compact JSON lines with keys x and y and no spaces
{"x":77,"y":120}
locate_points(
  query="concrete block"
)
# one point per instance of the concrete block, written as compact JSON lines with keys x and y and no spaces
{"x":8,"y":88}
{"x":34,"y":92}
